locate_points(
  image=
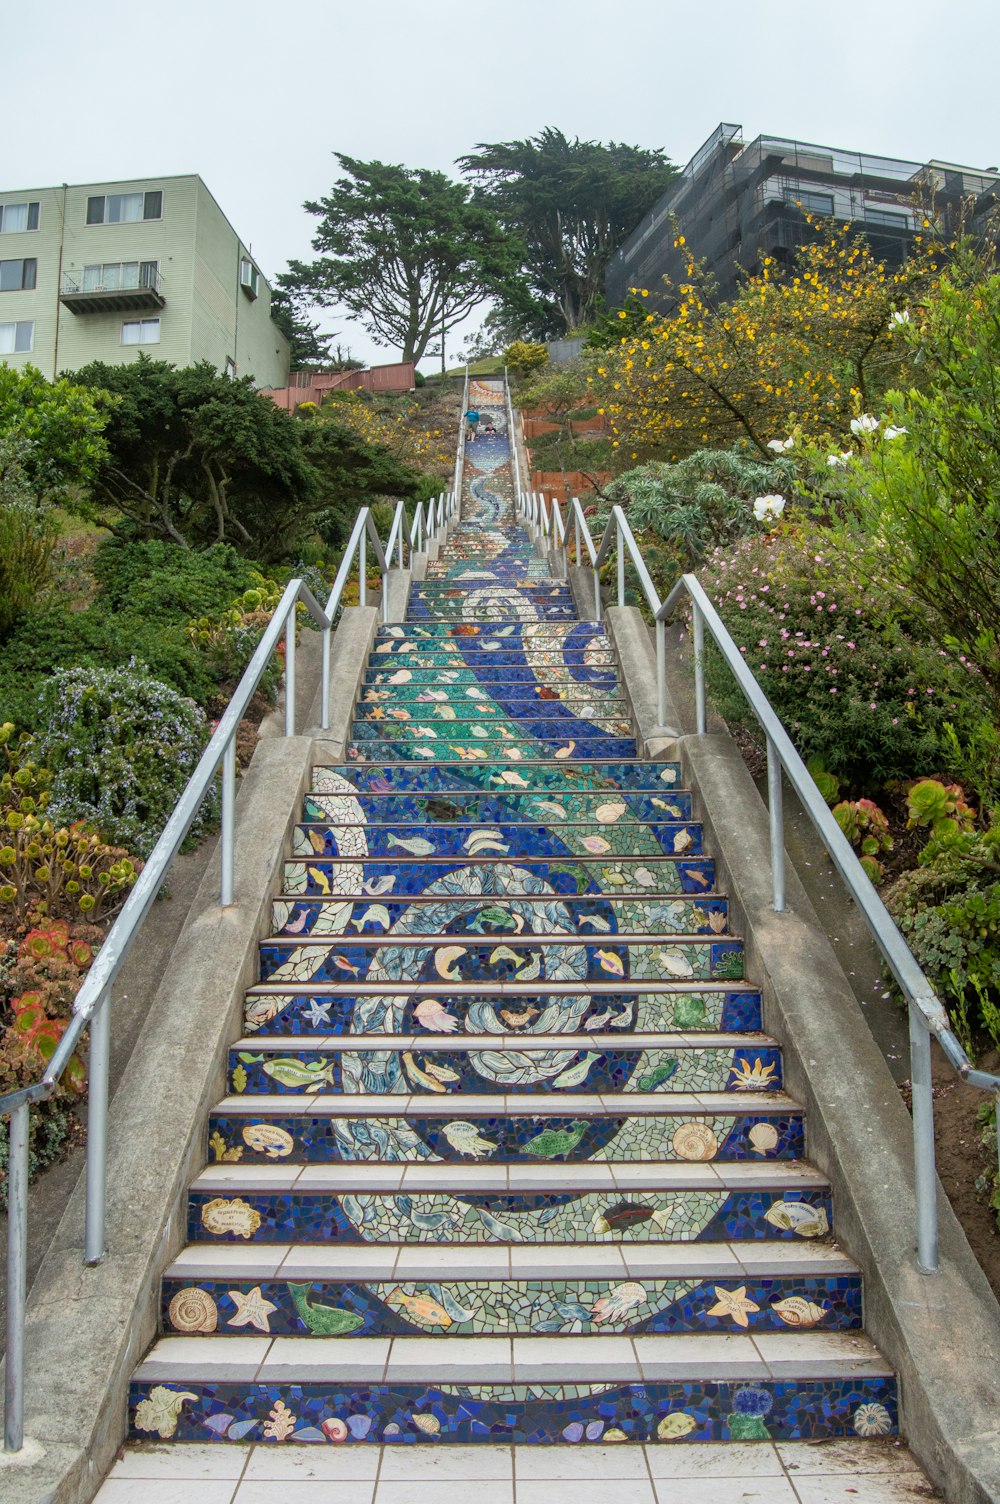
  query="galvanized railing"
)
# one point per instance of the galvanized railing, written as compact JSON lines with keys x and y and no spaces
{"x":928,"y":1018}
{"x":92,"y":1006}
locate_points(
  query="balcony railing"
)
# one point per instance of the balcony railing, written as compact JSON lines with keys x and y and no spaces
{"x":82,"y":293}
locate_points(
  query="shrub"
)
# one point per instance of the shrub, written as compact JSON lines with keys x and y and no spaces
{"x":948,"y":908}
{"x":699,"y":503}
{"x":27,"y":536}
{"x":524,"y":357}
{"x":44,"y":870}
{"x":122,"y":745}
{"x":50,"y":639}
{"x":161,"y":580}
{"x":846,"y":668}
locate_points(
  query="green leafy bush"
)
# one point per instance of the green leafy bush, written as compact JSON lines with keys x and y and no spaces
{"x":847,"y":668}
{"x":948,"y":907}
{"x":45,"y":869}
{"x":50,"y":638}
{"x":27,"y":535}
{"x":121,"y":745}
{"x":157,"y":579}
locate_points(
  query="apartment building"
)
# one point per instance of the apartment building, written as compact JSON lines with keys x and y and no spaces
{"x":738,"y":201}
{"x":105,"y":271}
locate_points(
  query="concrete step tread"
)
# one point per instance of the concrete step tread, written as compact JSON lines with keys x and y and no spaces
{"x":561,"y":1359}
{"x":485,"y":1178}
{"x":527,"y":940}
{"x":335,"y":1044}
{"x":540,"y":988}
{"x":417,"y":1261}
{"x":585,"y":1104}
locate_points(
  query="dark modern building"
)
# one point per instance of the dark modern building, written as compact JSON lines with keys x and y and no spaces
{"x":738,"y":201}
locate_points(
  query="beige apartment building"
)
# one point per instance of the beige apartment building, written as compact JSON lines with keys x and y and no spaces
{"x":104,"y":271}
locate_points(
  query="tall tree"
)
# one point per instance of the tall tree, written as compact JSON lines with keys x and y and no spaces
{"x":307,"y":346}
{"x":570,"y":203}
{"x":406,"y":251}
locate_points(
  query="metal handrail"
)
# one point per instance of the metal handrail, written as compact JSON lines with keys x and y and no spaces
{"x":460,"y":451}
{"x":927,"y":1014}
{"x":92,"y":1005}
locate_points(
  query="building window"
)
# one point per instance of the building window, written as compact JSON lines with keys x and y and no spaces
{"x":15,"y":339}
{"x":16,"y":276}
{"x":899,"y":221}
{"x":14,"y":217}
{"x":114,"y":276}
{"x":249,"y":278}
{"x":141,"y":332}
{"x":810,"y":203}
{"x":230,"y":368}
{"x":124,"y":208}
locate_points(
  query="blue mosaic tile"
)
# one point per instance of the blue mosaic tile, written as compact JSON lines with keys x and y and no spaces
{"x":531,"y":1415}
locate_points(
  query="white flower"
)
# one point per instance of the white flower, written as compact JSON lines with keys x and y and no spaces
{"x":901,"y":316}
{"x":768,"y":506}
{"x":836,"y":461}
{"x":865,"y":424}
{"x":780,"y":445}
{"x":894,"y":433}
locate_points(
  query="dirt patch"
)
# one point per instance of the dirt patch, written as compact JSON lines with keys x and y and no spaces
{"x":966,"y":1165}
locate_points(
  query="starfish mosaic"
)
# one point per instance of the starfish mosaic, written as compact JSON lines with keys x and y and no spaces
{"x":251,"y":1309}
{"x":733,"y":1303}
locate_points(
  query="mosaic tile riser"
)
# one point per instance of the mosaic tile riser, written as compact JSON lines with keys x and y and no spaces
{"x":817,"y":1410}
{"x":333,"y":1013}
{"x":741,"y":1137}
{"x":261,"y":1216}
{"x":466,"y":1308}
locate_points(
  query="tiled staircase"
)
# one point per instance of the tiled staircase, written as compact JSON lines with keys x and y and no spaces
{"x":506,"y":1154}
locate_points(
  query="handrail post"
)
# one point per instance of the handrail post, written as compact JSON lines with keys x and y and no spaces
{"x":98,"y":1070}
{"x":661,"y":672}
{"x":924,"y":1173}
{"x":597,"y":595}
{"x":776,"y":822}
{"x":228,"y":842}
{"x":290,"y":674}
{"x":698,"y":628}
{"x":621,"y":566}
{"x":576,"y":535}
{"x":324,"y":710}
{"x":17,"y":1276}
{"x":362,"y":572}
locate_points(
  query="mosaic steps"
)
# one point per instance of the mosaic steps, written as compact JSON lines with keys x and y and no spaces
{"x":459,"y":647}
{"x":305,"y":1008}
{"x":412,"y":1301}
{"x":445,"y":1203}
{"x":423,"y":963}
{"x":325,"y":877}
{"x":421,"y":713}
{"x":503,"y":774}
{"x":512,"y":842}
{"x":703,"y":1126}
{"x":421,"y":632}
{"x":499,"y":1065}
{"x":520,"y":680}
{"x":517,"y":699}
{"x":471,"y":749}
{"x":577,"y":1270}
{"x":524,"y":629}
{"x":469,"y":806}
{"x":471,"y":919}
{"x":490,"y":734}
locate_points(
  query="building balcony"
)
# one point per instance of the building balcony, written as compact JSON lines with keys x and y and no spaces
{"x":118,"y":289}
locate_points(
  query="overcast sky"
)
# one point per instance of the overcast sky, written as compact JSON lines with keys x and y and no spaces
{"x":255,"y":97}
